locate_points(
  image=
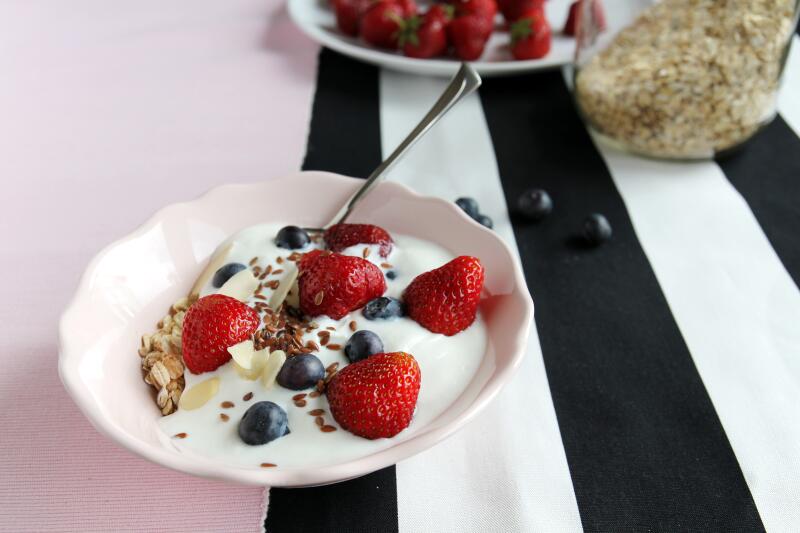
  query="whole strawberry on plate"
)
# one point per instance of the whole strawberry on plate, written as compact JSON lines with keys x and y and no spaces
{"x":380,"y":24}
{"x":348,"y":15}
{"x":514,"y":9}
{"x":213,"y":324}
{"x":469,"y":34}
{"x":530,"y":36}
{"x":341,"y":236}
{"x":426,"y":36}
{"x":376,"y":397}
{"x":445,"y":300}
{"x":574,"y":15}
{"x":334,"y":284}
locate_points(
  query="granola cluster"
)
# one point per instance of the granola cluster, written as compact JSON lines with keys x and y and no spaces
{"x":162,"y":362}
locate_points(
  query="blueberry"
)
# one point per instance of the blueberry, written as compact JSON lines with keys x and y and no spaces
{"x":362,"y":344}
{"x":535,"y":204}
{"x":383,"y":307}
{"x":469,"y":205}
{"x":292,"y":237}
{"x":262,"y":423}
{"x":596,"y":229}
{"x":301,"y":372}
{"x":224,"y":273}
{"x":391,"y":274}
{"x":486,"y":221}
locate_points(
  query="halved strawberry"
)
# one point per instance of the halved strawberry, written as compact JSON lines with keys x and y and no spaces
{"x":212,"y":325}
{"x":445,"y":300}
{"x":376,"y":397}
{"x":335,"y":284}
{"x":341,"y":236}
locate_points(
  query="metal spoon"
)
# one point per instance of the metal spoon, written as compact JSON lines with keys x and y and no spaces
{"x":465,"y":81}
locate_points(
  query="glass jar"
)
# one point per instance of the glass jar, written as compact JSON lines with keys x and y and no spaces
{"x":681,"y":79}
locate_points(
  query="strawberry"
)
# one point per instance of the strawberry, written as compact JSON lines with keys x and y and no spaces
{"x":530,"y":36}
{"x":469,"y":34}
{"x":514,"y":9}
{"x":381,"y":23}
{"x":409,"y":7}
{"x":445,"y":300}
{"x":486,"y":9}
{"x":442,"y":12}
{"x":348,"y":14}
{"x":212,"y":325}
{"x":425,"y":36}
{"x":574,"y":16}
{"x":341,"y":236}
{"x":335,"y":284}
{"x":376,"y":397}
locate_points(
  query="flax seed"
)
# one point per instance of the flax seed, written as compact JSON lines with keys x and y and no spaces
{"x":224,"y":417}
{"x":300,"y":403}
{"x":319,"y":297}
{"x":317,"y":412}
{"x":276,"y":272}
{"x":332,"y":368}
{"x":334,"y":346}
{"x":227,"y":405}
{"x":299,"y":396}
{"x":253,"y":261}
{"x":249,"y":396}
{"x":353,"y":325}
{"x":180,"y":436}
{"x":319,"y":421}
{"x":268,"y":465}
{"x":365,"y":253}
{"x":327,"y":429}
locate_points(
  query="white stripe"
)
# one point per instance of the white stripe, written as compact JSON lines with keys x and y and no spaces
{"x":738,"y":311}
{"x":497,"y":474}
{"x":789,"y":99}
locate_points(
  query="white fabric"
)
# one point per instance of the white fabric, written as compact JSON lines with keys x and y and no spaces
{"x":517,"y":477}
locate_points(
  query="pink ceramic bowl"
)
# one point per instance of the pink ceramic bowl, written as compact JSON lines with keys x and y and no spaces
{"x":129,"y":285}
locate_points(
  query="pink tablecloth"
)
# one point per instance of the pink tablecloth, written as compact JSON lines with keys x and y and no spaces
{"x":111,"y":110}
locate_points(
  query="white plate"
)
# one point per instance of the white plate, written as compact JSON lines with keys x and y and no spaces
{"x":316,"y":19}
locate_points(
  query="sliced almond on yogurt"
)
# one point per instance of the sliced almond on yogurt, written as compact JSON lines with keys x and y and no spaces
{"x":248,"y":362}
{"x":216,"y":261}
{"x":241,"y":285}
{"x":287,"y":282}
{"x":273,"y":366}
{"x":200,"y":394}
{"x":242,"y":354}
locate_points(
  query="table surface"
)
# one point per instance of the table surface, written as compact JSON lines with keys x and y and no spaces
{"x":660,"y":390}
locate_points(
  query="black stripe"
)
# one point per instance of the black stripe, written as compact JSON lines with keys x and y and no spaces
{"x":344,"y":137}
{"x":645,"y":447}
{"x":766,"y":172}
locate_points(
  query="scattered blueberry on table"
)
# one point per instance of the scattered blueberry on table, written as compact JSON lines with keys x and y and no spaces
{"x":485,"y":221}
{"x":362,"y":344}
{"x":596,"y":229}
{"x":292,"y":238}
{"x":301,"y":372}
{"x":470,"y":207}
{"x":383,"y":307}
{"x":263,"y":422}
{"x":535,"y":204}
{"x":226,"y":272}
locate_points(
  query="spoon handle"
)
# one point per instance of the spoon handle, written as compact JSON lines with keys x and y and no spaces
{"x":465,"y":81}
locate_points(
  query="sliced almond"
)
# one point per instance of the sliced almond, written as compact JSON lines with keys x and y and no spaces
{"x":240,"y":286}
{"x":242,"y":353}
{"x":216,"y":261}
{"x":287,"y":282}
{"x":200,"y":394}
{"x":273,"y":366}
{"x":258,"y":361}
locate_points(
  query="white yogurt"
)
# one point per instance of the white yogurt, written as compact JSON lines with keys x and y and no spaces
{"x":447,"y":364}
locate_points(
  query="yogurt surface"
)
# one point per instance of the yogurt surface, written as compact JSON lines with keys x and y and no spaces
{"x":447,"y":364}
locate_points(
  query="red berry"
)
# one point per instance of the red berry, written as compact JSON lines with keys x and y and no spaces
{"x":212,"y":325}
{"x":514,"y":9}
{"x":574,"y":16}
{"x":341,"y":236}
{"x":424,"y":37}
{"x":486,"y":9}
{"x":348,"y":14}
{"x":469,"y":35}
{"x":445,"y":300}
{"x":409,"y":7}
{"x":442,"y":12}
{"x":334,"y":284}
{"x":381,"y":23}
{"x":530,"y":37}
{"x":375,"y":397}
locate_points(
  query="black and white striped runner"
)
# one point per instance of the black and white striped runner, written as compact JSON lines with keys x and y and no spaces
{"x":661,"y":388}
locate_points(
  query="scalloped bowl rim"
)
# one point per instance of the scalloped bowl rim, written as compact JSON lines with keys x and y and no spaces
{"x":68,"y":362}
